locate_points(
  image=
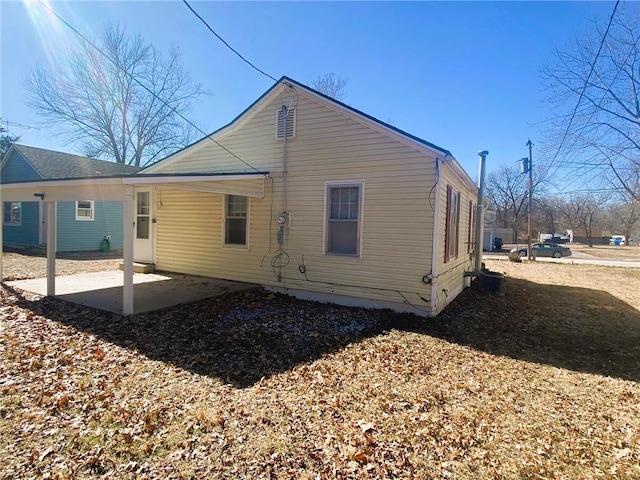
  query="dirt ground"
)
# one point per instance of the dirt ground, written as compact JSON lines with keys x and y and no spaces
{"x":609,"y":252}
{"x":622,"y":283}
{"x":539,"y":381}
{"x":17,"y":266}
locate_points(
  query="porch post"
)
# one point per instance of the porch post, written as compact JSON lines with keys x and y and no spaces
{"x":127,"y":251}
{"x":51,"y":248}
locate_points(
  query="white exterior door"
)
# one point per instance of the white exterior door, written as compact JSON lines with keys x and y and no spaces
{"x":144,"y":225}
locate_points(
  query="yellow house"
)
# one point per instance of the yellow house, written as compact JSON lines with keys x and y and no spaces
{"x":350,"y":210}
{"x":301,"y":194}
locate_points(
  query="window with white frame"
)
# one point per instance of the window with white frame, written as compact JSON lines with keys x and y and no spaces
{"x":84,"y":210}
{"x":236,"y":217}
{"x":452,"y":224}
{"x":12,"y":213}
{"x":344,"y":217}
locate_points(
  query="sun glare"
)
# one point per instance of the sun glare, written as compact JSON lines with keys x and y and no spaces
{"x":49,"y":29}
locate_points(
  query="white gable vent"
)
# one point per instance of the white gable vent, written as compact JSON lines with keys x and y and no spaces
{"x":285,"y":123}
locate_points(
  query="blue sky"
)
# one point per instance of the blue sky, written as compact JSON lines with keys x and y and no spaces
{"x":462,"y":75}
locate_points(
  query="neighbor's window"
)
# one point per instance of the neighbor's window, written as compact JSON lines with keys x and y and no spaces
{"x":12,"y":213}
{"x":84,"y":210}
{"x":344,"y":217}
{"x":236,"y":214}
{"x":452,"y":224}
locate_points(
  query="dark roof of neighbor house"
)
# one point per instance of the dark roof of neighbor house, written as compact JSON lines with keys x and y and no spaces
{"x":286,"y":80}
{"x":57,"y":165}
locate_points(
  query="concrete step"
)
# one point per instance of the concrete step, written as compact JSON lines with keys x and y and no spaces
{"x":139,"y":267}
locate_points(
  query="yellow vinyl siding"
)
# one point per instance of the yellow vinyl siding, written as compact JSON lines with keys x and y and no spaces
{"x":329,"y":147}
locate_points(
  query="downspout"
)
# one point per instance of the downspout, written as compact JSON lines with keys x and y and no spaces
{"x":284,"y":159}
{"x":282,"y":217}
{"x":435,"y":253}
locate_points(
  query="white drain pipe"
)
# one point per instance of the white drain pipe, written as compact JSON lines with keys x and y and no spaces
{"x":480,"y":212}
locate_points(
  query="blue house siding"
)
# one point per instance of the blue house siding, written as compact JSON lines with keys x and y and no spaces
{"x":75,"y":235}
{"x":28,"y":233}
{"x":24,"y":163}
{"x":17,"y":169}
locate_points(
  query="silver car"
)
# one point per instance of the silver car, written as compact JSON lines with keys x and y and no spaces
{"x":546,"y":250}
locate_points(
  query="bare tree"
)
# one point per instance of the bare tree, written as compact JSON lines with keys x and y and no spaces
{"x":95,"y":101}
{"x":625,"y":216}
{"x":595,"y":88}
{"x":582,"y":210}
{"x":549,"y":215}
{"x":331,"y":85}
{"x":508,"y":194}
{"x":507,"y":191}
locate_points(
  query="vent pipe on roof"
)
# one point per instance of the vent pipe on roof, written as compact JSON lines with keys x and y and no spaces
{"x":480,"y":212}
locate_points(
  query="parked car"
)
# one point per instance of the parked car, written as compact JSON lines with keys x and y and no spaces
{"x":557,"y":240}
{"x":545,"y":250}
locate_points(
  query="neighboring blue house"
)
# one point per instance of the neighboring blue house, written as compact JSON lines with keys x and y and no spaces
{"x":80,"y":225}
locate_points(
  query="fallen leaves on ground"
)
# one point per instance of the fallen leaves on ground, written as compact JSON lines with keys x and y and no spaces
{"x":541,"y":381}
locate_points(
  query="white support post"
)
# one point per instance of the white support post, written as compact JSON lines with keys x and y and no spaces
{"x":51,"y":248}
{"x":127,"y":251}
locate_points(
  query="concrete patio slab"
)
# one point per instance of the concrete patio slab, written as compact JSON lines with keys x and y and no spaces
{"x":151,"y":291}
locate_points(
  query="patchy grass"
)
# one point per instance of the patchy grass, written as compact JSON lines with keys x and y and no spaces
{"x":539,"y":382}
{"x":609,"y":252}
{"x":18,"y":266}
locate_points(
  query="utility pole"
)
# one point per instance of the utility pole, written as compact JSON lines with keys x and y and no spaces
{"x":530,"y":144}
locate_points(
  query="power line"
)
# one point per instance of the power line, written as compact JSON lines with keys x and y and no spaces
{"x":589,"y":164}
{"x":586,"y":190}
{"x":226,"y":44}
{"x":173,"y":109}
{"x":8,"y":123}
{"x":586,"y":82}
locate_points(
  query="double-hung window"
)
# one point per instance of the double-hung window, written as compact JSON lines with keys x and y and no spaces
{"x":452,"y":224}
{"x":12,"y":213}
{"x":344,"y":218}
{"x":236,"y":216}
{"x":84,"y":210}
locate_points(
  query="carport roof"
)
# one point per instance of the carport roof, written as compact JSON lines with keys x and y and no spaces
{"x":113,"y":187}
{"x":129,"y":179}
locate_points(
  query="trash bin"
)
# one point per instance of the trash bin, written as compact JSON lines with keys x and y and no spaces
{"x":105,"y":245}
{"x":497,"y":243}
{"x":491,"y":282}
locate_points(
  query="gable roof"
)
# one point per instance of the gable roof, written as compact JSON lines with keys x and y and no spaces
{"x":50,"y":164}
{"x":367,"y":116}
{"x":390,"y":129}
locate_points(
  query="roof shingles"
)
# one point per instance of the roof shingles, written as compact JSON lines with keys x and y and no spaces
{"x":56,"y":165}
